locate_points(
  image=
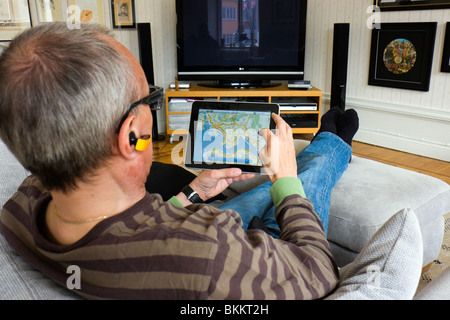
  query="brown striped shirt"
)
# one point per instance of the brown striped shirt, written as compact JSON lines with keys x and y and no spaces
{"x":156,"y":250}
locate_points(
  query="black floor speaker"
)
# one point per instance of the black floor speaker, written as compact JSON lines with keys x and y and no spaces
{"x":340,"y":65}
{"x":146,"y":58}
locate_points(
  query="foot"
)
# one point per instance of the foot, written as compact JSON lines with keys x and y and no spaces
{"x":348,"y":125}
{"x":329,"y":121}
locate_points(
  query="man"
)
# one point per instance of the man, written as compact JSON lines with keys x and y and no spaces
{"x":72,"y":110}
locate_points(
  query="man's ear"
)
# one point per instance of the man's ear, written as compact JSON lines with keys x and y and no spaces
{"x":125,"y":148}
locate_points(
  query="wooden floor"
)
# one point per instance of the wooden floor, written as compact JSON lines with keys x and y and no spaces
{"x":166,"y":152}
{"x":428,"y":166}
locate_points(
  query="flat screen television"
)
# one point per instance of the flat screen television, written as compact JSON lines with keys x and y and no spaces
{"x":241,"y":43}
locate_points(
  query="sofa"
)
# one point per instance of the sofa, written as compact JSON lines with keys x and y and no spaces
{"x":385,"y":224}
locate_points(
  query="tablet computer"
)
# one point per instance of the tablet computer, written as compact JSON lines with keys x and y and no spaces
{"x":226,"y":134}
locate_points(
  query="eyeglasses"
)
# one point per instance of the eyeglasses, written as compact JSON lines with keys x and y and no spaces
{"x":154,"y":100}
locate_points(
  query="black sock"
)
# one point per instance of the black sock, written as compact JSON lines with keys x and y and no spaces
{"x":348,"y":125}
{"x":329,"y":120}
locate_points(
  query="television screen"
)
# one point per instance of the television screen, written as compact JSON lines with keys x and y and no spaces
{"x":240,"y":41}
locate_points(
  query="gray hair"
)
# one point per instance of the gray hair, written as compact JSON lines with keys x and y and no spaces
{"x":62,"y":93}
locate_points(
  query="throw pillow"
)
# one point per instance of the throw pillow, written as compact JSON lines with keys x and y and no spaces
{"x":21,"y":281}
{"x":389,"y":266}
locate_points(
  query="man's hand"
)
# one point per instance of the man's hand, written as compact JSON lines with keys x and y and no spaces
{"x":278,"y":156}
{"x":210,"y":183}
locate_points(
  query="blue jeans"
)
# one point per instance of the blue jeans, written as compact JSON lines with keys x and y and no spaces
{"x":319,"y":167}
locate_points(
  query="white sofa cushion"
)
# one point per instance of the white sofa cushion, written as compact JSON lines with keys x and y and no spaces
{"x":389,"y":266}
{"x":12,"y":174}
{"x":369,"y":193}
{"x":19,"y":280}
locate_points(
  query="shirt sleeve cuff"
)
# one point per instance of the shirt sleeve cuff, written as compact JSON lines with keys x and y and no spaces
{"x":285,"y":187}
{"x":175,"y":202}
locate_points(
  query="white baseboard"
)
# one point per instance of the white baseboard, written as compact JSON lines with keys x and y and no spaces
{"x":410,"y":129}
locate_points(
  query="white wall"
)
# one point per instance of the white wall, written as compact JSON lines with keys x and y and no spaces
{"x":411,"y":121}
{"x":162,"y":16}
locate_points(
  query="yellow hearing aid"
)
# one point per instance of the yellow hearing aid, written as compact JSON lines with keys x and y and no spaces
{"x":140,"y":144}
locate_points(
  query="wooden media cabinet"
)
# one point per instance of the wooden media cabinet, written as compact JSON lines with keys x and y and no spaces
{"x":301,"y":109}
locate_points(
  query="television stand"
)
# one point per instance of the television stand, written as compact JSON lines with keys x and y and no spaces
{"x":296,"y":105}
{"x":229,"y":84}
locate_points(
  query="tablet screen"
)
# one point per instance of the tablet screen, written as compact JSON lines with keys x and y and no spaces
{"x":229,"y":137}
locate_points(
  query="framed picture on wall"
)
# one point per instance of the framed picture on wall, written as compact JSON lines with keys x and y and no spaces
{"x":86,"y":11}
{"x":42,"y":11}
{"x":402,"y":55}
{"x":123,"y":13}
{"x":445,"y":67}
{"x":14,"y":18}
{"x":396,"y":5}
{"x":6,"y":14}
